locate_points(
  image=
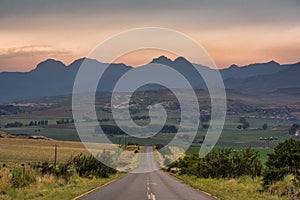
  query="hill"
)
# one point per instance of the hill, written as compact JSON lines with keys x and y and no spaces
{"x":52,"y":77}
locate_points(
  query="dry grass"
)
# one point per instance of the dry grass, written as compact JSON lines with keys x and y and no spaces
{"x":49,"y":187}
{"x":5,"y":180}
{"x":128,"y":160}
{"x":22,"y":150}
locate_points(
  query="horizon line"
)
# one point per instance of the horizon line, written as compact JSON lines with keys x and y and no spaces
{"x":154,"y":58}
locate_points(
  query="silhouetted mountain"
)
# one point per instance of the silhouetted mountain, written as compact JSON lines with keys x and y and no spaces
{"x":51,"y":77}
{"x":235,"y":71}
{"x":187,"y":69}
{"x":289,"y":77}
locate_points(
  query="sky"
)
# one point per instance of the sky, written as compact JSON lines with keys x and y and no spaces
{"x":232,"y":31}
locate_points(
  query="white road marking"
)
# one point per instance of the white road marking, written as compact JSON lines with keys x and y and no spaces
{"x":149,"y":194}
{"x":153,"y":196}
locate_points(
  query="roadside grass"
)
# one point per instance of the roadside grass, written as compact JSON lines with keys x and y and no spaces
{"x":49,"y":187}
{"x":130,"y":158}
{"x":243,"y":188}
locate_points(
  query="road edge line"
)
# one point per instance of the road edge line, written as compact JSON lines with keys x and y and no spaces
{"x":96,"y":188}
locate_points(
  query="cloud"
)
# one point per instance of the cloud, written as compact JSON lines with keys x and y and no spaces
{"x":25,"y":58}
{"x":32,"y":51}
{"x":196,"y":13}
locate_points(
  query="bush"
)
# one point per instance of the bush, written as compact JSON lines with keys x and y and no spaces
{"x":89,"y":166}
{"x":85,"y":166}
{"x":22,"y":176}
{"x":287,"y":188}
{"x":247,"y":162}
{"x":223,"y":163}
{"x":285,"y":160}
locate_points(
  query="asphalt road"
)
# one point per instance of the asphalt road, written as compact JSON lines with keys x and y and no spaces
{"x":152,"y":185}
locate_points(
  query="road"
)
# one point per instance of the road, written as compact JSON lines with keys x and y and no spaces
{"x":153,"y":184}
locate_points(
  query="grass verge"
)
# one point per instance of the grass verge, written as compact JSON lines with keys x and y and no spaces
{"x":244,"y":188}
{"x":48,"y":187}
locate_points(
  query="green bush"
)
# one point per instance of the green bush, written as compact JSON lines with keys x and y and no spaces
{"x":22,"y":176}
{"x":85,"y":166}
{"x":285,"y":160}
{"x":89,"y":166}
{"x":223,"y":163}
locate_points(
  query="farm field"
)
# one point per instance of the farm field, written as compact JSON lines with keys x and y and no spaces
{"x":27,"y":150}
{"x":230,"y":137}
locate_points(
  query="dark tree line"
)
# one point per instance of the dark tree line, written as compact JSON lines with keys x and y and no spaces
{"x":38,"y":123}
{"x":103,"y":119}
{"x":14,"y":125}
{"x":140,"y":118}
{"x":109,"y":129}
{"x":65,"y":121}
{"x":115,"y":130}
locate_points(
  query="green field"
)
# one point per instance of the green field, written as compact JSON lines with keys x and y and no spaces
{"x":230,"y":137}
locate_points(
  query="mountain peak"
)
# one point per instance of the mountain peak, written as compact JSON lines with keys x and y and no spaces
{"x":273,"y":62}
{"x":50,"y":61}
{"x":181,"y":60}
{"x":232,"y":67}
{"x":49,"y":65}
{"x":79,"y":61}
{"x":162,"y":60}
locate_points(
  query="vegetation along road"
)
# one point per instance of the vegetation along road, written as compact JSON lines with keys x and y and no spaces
{"x":152,"y":185}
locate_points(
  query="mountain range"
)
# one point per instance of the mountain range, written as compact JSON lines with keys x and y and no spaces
{"x":52,"y":77}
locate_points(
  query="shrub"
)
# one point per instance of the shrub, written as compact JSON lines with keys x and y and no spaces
{"x":285,"y":160}
{"x":22,"y":176}
{"x":89,"y":166}
{"x":287,"y":188}
{"x":221,"y":164}
{"x":85,"y":166}
{"x":247,"y":162}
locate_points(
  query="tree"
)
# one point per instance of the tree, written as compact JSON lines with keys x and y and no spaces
{"x":246,"y":125}
{"x":243,"y":120}
{"x":205,"y":126}
{"x":239,"y":127}
{"x":265,"y":126}
{"x":31,"y":123}
{"x":285,"y":160}
{"x":13,"y":125}
{"x":205,"y":118}
{"x":294,"y":128}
